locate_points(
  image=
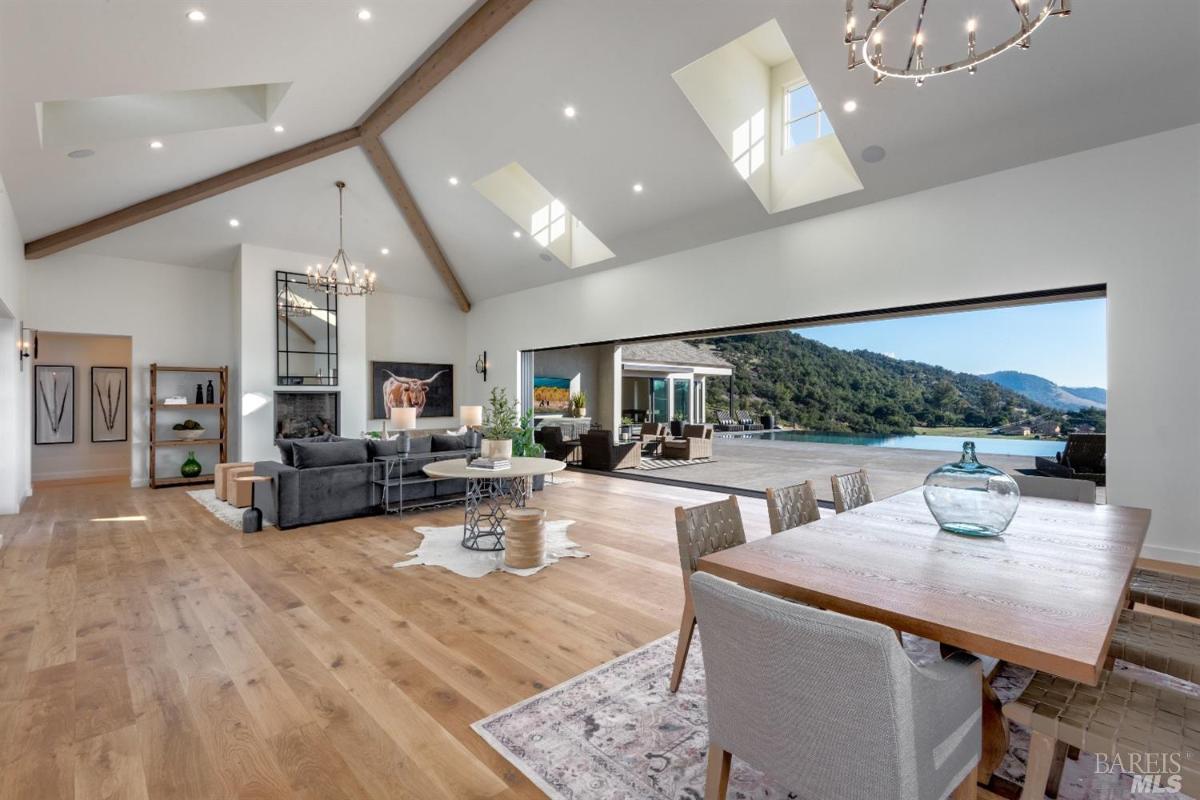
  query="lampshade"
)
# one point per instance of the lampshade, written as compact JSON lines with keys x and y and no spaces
{"x":470,"y":415}
{"x":404,"y":419}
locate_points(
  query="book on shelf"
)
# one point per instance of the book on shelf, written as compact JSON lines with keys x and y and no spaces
{"x":175,"y":400}
{"x":490,"y":463}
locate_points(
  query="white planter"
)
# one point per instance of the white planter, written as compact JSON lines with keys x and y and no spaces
{"x":496,"y":448}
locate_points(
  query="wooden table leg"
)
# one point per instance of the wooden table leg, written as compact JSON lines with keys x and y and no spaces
{"x":995,"y":735}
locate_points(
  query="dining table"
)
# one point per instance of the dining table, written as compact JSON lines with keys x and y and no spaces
{"x":1044,"y":595}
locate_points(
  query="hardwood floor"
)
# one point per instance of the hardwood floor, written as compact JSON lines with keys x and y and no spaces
{"x":149,"y":651}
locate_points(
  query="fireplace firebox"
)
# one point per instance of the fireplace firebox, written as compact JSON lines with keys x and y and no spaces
{"x":301,"y":414}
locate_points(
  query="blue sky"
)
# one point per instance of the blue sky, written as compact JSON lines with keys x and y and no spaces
{"x":1064,"y":341}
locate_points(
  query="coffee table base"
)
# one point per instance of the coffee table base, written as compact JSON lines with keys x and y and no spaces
{"x":487,"y":501}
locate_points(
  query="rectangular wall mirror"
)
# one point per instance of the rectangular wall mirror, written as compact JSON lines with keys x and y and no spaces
{"x":305,"y":332}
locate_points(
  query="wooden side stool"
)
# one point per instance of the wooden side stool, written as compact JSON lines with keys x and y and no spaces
{"x":252,"y":518}
{"x":524,"y":537}
{"x":221,"y":477}
{"x":237,"y":494}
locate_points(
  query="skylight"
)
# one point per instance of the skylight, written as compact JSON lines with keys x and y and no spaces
{"x":542,"y":215}
{"x":768,"y":118}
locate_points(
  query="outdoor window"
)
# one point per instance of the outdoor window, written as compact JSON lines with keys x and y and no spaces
{"x":750,"y":144}
{"x":549,"y":223}
{"x":803,"y":119}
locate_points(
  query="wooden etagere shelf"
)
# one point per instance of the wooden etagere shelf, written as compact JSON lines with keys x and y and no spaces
{"x":219,"y":408}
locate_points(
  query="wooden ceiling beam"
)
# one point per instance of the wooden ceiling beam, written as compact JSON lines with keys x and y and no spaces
{"x":398,"y":189}
{"x":209,"y":187}
{"x":481,"y":26}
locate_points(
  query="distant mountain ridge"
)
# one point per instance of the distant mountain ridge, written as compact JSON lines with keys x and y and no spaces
{"x":1048,"y":393}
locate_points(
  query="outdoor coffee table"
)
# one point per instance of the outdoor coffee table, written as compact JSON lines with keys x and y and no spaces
{"x":490,"y":493}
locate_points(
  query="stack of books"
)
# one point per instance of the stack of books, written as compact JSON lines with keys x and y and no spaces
{"x":175,"y":400}
{"x":491,"y":463}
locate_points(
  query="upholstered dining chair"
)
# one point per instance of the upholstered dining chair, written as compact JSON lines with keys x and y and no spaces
{"x":781,"y":698}
{"x":851,"y":491}
{"x":701,"y":531}
{"x":1056,"y":488}
{"x":792,"y":506}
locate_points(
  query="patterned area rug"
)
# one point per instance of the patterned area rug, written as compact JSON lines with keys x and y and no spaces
{"x":442,"y":547}
{"x":663,"y":463}
{"x":220,"y":509}
{"x":616,"y":732}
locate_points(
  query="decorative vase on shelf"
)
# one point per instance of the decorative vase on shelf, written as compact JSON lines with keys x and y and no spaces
{"x":190,"y":468}
{"x":199,"y":394}
{"x":209,"y":393}
{"x":970,"y":498}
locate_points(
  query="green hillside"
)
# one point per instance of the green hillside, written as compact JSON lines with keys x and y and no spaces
{"x":812,"y":385}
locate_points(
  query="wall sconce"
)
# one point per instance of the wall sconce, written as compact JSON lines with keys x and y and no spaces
{"x":481,"y":365}
{"x":27,"y":347}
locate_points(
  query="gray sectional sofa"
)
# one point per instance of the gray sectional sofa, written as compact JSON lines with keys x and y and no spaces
{"x":326,"y":478}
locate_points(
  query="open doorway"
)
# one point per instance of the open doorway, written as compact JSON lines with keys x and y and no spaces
{"x":81,"y":413}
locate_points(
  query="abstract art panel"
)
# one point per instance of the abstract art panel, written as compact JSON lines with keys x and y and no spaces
{"x":53,"y":404}
{"x":110,"y":404}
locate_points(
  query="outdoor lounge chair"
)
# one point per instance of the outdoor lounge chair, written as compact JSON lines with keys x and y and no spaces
{"x":651,"y":431}
{"x":726,"y":423}
{"x":697,"y":442}
{"x":747,"y":421}
{"x":551,"y":437}
{"x":599,"y":452}
{"x":1082,"y":458}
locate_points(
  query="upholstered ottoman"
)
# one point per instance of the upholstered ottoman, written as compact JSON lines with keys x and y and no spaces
{"x":221,"y":478}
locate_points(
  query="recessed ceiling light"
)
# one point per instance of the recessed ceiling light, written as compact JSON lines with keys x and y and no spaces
{"x":84,"y":153}
{"x":569,"y":112}
{"x":637,"y":188}
{"x":364,"y":14}
{"x":233,"y":223}
{"x":516,"y":234}
{"x":849,"y":106}
{"x":383,"y":251}
{"x":279,"y":129}
{"x":453,"y":181}
{"x":196,"y":15}
{"x":156,"y":145}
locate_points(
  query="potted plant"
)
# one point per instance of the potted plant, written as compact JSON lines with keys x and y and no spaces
{"x":579,"y":404}
{"x":626,"y":428}
{"x":523,"y":443}
{"x":499,"y":425}
{"x":677,"y":424}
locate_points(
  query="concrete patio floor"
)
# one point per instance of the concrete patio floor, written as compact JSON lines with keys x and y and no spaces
{"x":759,"y":463}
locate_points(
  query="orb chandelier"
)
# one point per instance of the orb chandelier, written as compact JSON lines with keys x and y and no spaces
{"x":867,"y":47}
{"x":340,"y":277}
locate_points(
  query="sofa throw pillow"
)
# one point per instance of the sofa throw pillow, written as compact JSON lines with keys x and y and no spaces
{"x":285,"y":446}
{"x":379,"y":448}
{"x":309,"y":455}
{"x":444,"y":441}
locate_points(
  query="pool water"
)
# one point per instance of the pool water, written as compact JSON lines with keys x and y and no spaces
{"x":951,"y":444}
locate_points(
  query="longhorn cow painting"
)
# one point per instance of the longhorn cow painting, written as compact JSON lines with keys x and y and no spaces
{"x":429,"y":388}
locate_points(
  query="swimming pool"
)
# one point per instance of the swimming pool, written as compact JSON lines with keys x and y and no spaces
{"x":951,"y":444}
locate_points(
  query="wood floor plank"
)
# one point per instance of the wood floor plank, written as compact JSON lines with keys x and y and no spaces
{"x":109,"y":767}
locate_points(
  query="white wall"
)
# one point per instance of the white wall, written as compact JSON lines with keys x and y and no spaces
{"x":83,"y":458}
{"x":175,"y":315}
{"x":254,"y":276}
{"x":1125,"y":215}
{"x":16,"y":387}
{"x":416,"y":329}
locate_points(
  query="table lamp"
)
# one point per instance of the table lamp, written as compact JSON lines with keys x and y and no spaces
{"x":404,"y":419}
{"x":471,"y":416}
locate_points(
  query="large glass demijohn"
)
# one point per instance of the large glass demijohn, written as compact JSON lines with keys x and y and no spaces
{"x":970,"y":498}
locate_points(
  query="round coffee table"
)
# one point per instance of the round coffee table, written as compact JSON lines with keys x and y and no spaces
{"x":490,"y":493}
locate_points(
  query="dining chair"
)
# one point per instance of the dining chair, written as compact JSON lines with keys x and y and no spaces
{"x":792,"y":506}
{"x":701,"y":531}
{"x":1119,"y":718}
{"x":851,"y":491}
{"x":1165,"y":590}
{"x":1074,"y":489}
{"x":781,"y":698}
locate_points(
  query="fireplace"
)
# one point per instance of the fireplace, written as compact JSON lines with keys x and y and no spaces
{"x":300,"y":414}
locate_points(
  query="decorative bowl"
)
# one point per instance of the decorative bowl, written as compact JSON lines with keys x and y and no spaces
{"x":970,"y":498}
{"x":191,"y":435}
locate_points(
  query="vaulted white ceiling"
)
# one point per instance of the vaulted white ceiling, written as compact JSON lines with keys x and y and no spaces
{"x":1089,"y":80}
